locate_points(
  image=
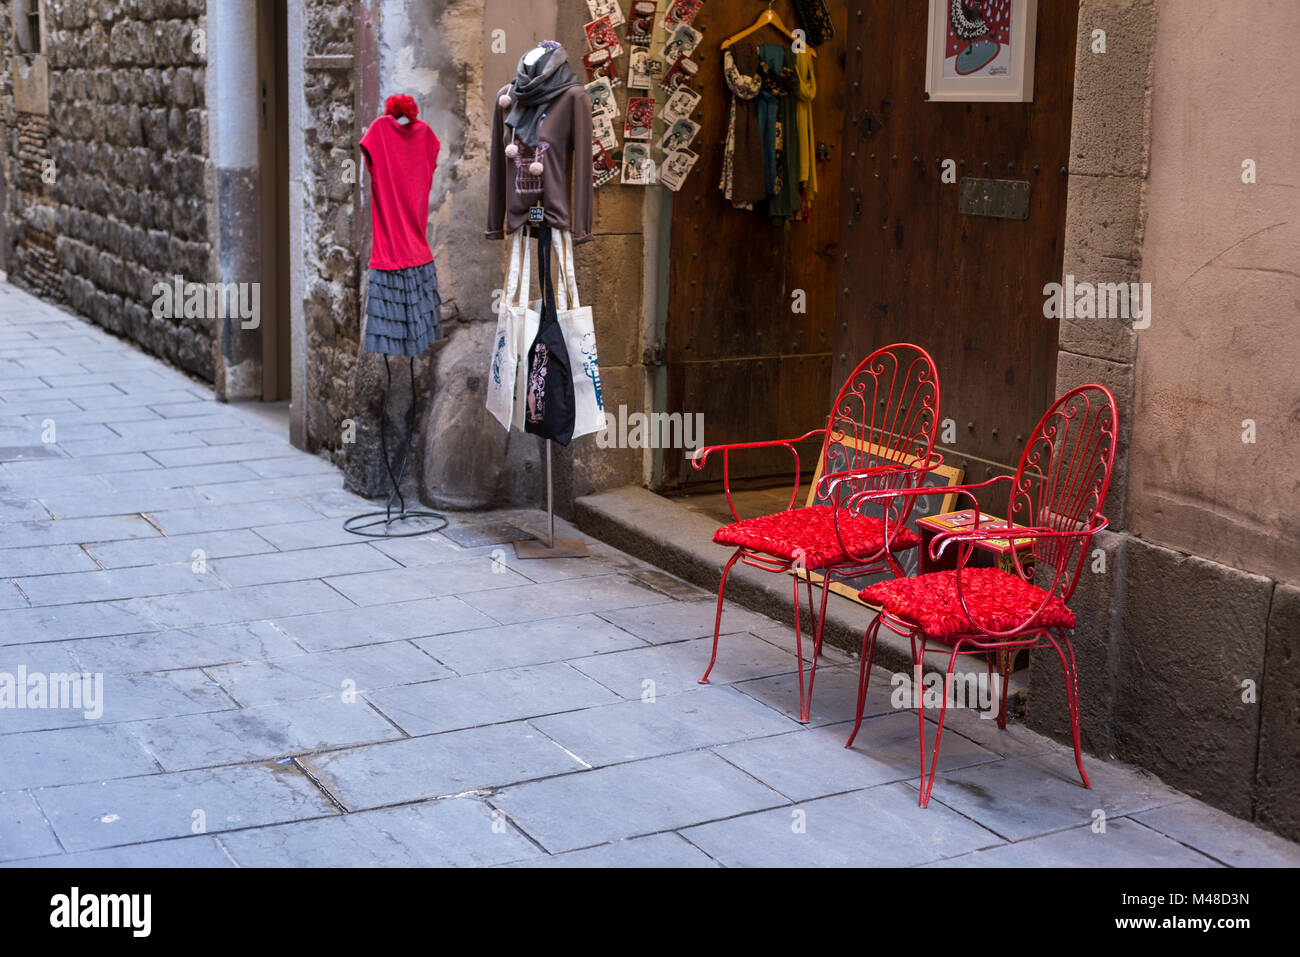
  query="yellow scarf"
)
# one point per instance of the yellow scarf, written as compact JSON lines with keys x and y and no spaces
{"x":805,"y":93}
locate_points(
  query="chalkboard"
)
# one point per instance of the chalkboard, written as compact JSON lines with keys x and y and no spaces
{"x":838,"y":459}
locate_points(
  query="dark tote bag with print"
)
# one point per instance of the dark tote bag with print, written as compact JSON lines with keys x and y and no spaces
{"x":549,"y":407}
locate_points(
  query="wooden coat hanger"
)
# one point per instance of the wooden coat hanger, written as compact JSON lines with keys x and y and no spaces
{"x":768,"y":18}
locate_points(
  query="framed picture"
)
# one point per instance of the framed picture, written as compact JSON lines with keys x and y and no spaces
{"x":938,"y":477}
{"x":980,"y":51}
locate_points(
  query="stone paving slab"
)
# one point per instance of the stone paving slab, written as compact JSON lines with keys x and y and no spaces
{"x":125,"y":698}
{"x":879,"y":827}
{"x":369,"y":668}
{"x":813,"y":762}
{"x":633,"y":799}
{"x":439,"y":765}
{"x":1048,"y":793}
{"x":681,"y":620}
{"x":257,"y":734}
{"x":277,"y":691}
{"x":349,"y":627}
{"x":1221,"y":836}
{"x":489,"y":697}
{"x":131,"y":810}
{"x":558,"y":599}
{"x":653,"y":726}
{"x":349,"y":560}
{"x":677,"y":667}
{"x":200,"y":851}
{"x":657,"y":850}
{"x":26,"y":832}
{"x":507,"y":646}
{"x":452,"y":833}
{"x":169,"y":549}
{"x":409,"y":584}
{"x":1124,"y":843}
{"x":182,"y":648}
{"x":74,"y":755}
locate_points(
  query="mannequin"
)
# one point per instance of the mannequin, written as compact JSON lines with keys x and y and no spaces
{"x":541,"y":132}
{"x":403,"y":307}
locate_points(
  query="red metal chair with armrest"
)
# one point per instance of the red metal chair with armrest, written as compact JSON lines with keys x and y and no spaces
{"x":879,"y":437}
{"x":1057,"y":492}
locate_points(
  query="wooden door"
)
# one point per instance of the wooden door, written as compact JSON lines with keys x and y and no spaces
{"x":273,"y":63}
{"x":734,"y":349}
{"x":913,"y":268}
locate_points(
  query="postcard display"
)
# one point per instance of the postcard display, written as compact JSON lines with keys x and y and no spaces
{"x":645,"y":46}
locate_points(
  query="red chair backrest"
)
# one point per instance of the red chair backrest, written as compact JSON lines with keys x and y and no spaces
{"x":886,"y":413}
{"x":1062,"y":480}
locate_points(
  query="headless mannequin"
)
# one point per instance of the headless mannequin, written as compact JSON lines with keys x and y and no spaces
{"x":386,"y":520}
{"x":553,"y":548}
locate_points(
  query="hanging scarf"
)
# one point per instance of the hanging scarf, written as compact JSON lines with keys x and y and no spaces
{"x":782,"y":156}
{"x":748,"y":178}
{"x":805,"y":92}
{"x":743,"y":89}
{"x":535,"y":87}
{"x":777,"y":82}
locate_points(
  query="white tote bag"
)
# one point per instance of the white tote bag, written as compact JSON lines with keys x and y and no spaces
{"x":579,"y":330}
{"x":516,"y":326}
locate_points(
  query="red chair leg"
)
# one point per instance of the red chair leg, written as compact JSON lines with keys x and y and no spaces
{"x":798,"y":652}
{"x":1005,"y":671}
{"x":717,"y":621}
{"x":864,"y":675}
{"x":927,"y":784}
{"x":1072,"y":701}
{"x":817,"y":639}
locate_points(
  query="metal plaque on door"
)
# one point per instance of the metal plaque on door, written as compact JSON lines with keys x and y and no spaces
{"x":999,"y":198}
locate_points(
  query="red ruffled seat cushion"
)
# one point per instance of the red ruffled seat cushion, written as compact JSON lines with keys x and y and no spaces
{"x":810,"y":533}
{"x":998,"y":600}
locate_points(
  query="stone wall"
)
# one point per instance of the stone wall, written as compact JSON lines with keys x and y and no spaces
{"x":331,"y":257}
{"x":129,"y":202}
{"x":1187,"y":615}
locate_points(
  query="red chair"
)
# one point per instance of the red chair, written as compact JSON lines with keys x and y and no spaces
{"x":1057,"y":491}
{"x":879,"y":436}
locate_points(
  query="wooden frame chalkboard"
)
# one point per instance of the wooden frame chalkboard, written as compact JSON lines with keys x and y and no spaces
{"x":938,"y":477}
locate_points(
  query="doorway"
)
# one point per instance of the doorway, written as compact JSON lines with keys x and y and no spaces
{"x":751,"y":305}
{"x":913,"y":267}
{"x":273,"y":164}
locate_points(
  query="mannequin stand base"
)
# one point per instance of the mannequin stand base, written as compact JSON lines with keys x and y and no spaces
{"x":560,"y":548}
{"x":381,"y":524}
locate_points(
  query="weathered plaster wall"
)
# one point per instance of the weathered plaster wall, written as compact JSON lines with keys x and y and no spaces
{"x":450,"y":57}
{"x":1223,"y":258}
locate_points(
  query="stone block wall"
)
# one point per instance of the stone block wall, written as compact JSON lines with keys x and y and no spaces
{"x":1186,"y":644}
{"x":331,"y":306}
{"x":129,"y":203}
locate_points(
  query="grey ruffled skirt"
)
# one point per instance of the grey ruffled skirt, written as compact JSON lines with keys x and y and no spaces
{"x":403,"y":311}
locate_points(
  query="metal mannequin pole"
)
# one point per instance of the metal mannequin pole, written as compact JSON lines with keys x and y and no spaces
{"x":552,"y":547}
{"x":550,"y":501}
{"x":387,"y":519}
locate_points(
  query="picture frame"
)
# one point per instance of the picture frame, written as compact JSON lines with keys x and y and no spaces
{"x":980,"y":51}
{"x":940,"y":476}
